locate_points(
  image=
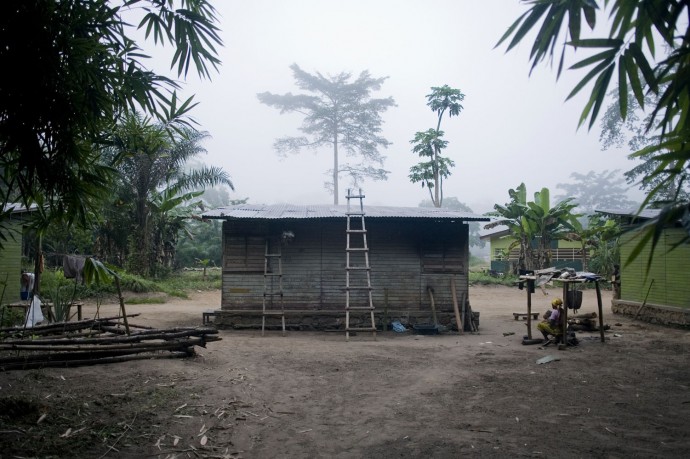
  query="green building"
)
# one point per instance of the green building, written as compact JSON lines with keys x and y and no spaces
{"x":662,"y":286}
{"x":11,"y":253}
{"x":564,"y":254}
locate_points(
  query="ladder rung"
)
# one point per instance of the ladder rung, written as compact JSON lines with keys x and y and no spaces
{"x":274,"y":313}
{"x":359,"y":308}
{"x":356,"y":231}
{"x":371,"y":329}
{"x":355,"y":214}
{"x":357,"y":249}
{"x":359,"y":288}
{"x":270,"y":255}
{"x":358,"y":268}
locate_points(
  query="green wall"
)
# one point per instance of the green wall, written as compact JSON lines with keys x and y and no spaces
{"x":11,"y":263}
{"x":669,"y":269}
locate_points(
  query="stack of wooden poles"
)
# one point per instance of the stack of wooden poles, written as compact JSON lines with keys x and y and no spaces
{"x":95,"y":341}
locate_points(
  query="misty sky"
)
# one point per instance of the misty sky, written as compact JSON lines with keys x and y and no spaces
{"x":514,"y":127}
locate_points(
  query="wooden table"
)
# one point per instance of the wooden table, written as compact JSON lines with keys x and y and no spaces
{"x":566,"y":288}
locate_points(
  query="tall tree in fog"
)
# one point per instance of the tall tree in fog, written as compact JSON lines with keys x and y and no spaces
{"x":429,"y":144}
{"x":76,"y":68}
{"x":592,"y":191}
{"x":339,"y":113}
{"x":651,"y":174}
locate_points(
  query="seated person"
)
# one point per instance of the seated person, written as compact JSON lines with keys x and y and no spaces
{"x":551,"y":325}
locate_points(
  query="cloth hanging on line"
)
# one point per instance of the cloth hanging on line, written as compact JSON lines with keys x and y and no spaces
{"x":73,"y":267}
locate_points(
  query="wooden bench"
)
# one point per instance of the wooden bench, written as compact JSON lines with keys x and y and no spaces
{"x":207,"y":314}
{"x":523,"y":315}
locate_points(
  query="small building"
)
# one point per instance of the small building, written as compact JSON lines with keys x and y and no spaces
{"x":11,"y":251}
{"x":414,"y":253}
{"x":660,"y":284}
{"x":564,"y":253}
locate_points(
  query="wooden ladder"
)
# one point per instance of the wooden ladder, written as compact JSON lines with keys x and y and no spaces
{"x":358,"y":275}
{"x":273,"y":287}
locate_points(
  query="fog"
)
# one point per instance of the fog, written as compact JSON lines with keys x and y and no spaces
{"x":514,"y":127}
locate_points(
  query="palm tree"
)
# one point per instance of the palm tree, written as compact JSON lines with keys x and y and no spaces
{"x":152,"y":183}
{"x":429,"y":143}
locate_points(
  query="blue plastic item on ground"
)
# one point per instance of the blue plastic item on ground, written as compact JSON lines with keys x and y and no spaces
{"x":398,"y":327}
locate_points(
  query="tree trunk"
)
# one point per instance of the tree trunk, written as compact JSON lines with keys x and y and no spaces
{"x":335,"y":170}
{"x":437,"y":185}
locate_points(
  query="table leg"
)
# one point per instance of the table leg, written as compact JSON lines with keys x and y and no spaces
{"x":601,"y":313}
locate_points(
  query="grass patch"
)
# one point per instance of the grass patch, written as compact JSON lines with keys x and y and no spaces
{"x":483,"y":278}
{"x":146,"y":300}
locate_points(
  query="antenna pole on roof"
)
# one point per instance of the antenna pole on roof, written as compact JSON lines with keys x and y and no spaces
{"x":357,"y":270}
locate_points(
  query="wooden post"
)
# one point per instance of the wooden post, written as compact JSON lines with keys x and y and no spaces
{"x":455,"y":304}
{"x":529,"y":309}
{"x":433,"y":305}
{"x":564,"y":319}
{"x":385,"y":310}
{"x":122,"y":303}
{"x":601,"y":314}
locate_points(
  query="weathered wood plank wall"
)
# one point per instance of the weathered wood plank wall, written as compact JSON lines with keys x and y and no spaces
{"x":406,"y":256}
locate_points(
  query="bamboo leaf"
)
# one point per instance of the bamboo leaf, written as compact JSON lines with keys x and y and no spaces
{"x":592,"y":73}
{"x":622,"y":87}
{"x":608,"y":54}
{"x":597,"y":43}
{"x":644,"y":67}
{"x":600,"y":89}
{"x":634,"y":79}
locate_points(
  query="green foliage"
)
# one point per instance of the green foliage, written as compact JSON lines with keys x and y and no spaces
{"x":533,"y":223}
{"x":10,"y":317}
{"x":340,"y":114}
{"x":77,"y":69}
{"x":201,"y":241}
{"x":155,"y":195}
{"x":429,"y":144}
{"x":483,"y":278}
{"x":627,"y":53}
{"x":600,"y":238}
{"x":146,"y":300}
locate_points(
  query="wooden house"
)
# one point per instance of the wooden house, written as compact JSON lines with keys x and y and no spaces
{"x":662,"y":286}
{"x":11,"y":252}
{"x":503,"y":259}
{"x":414,"y":255}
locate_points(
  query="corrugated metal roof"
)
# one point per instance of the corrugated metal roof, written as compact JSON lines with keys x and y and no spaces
{"x":633,"y":213}
{"x":286,"y":211}
{"x":18,"y":208}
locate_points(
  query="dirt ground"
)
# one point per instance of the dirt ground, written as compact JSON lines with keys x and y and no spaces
{"x":314,"y":395}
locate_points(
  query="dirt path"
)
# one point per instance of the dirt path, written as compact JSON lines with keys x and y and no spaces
{"x":404,"y":395}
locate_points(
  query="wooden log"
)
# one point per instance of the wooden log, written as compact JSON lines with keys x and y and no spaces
{"x":134,"y":338}
{"x":60,"y":326}
{"x":456,"y":309}
{"x":94,"y":349}
{"x":75,"y":363}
